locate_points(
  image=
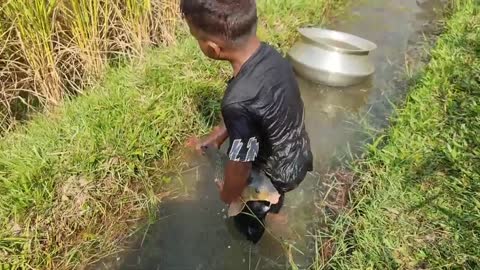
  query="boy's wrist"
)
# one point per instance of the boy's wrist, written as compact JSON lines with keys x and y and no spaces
{"x":216,"y":138}
{"x":210,"y":141}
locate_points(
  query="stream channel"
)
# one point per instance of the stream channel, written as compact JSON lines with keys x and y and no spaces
{"x":192,"y":232}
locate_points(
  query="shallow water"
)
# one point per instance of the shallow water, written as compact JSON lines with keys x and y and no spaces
{"x":193,"y":233}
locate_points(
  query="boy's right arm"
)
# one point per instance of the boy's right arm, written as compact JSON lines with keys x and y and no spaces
{"x":216,"y":138}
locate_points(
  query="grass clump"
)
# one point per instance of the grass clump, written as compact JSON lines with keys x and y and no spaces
{"x":417,"y":202}
{"x":75,"y":183}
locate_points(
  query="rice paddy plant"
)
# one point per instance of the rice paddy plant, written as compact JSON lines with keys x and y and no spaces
{"x":4,"y":104}
{"x":12,"y":75}
{"x":134,"y":16}
{"x":87,"y":29}
{"x":32,"y":23}
{"x":164,"y":31}
{"x":53,"y":49}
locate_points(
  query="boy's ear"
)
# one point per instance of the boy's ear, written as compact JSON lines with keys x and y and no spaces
{"x":214,"y":50}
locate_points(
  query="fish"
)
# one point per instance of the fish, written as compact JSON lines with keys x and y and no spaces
{"x":260,"y":188}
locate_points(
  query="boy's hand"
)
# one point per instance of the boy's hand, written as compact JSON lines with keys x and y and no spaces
{"x":199,"y":145}
{"x":215,"y":139}
{"x":196,"y":144}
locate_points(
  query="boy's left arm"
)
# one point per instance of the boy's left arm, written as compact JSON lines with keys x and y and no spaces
{"x":235,"y":180}
{"x":244,"y":146}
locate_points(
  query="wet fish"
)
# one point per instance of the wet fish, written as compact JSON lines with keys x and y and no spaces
{"x":260,"y":187}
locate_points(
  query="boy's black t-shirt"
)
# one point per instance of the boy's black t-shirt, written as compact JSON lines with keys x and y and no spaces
{"x":264,"y":116}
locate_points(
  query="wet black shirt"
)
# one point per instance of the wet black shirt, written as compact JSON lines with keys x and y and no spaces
{"x":264,"y":116}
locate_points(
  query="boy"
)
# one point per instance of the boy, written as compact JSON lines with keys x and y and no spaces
{"x":262,"y":108}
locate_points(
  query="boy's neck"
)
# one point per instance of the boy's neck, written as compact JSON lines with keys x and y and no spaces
{"x":239,"y":57}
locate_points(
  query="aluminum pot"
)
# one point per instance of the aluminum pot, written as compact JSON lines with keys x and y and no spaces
{"x":331,"y":57}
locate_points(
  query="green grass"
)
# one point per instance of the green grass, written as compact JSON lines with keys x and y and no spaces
{"x":417,"y":200}
{"x":75,"y":183}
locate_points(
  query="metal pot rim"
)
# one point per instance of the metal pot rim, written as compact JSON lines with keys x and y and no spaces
{"x":365,"y":46}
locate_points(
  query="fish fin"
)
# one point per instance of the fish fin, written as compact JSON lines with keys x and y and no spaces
{"x":274,"y":198}
{"x":235,"y":208}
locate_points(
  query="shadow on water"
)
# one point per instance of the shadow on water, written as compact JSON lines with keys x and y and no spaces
{"x":192,"y":231}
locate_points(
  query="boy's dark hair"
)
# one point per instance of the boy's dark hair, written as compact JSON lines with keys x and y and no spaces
{"x":232,"y":20}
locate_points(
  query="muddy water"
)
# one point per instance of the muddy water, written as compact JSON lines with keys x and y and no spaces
{"x":193,"y":232}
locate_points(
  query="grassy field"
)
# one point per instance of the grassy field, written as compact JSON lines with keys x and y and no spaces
{"x":76,"y":182}
{"x":416,"y":204}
